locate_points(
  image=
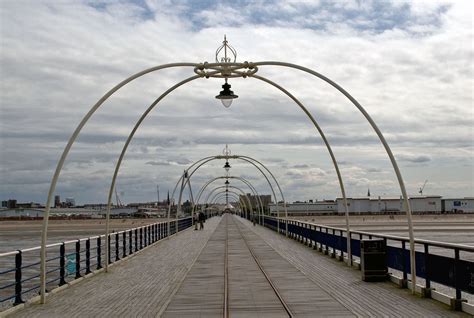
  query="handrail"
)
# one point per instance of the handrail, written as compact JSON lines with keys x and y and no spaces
{"x":452,"y":274}
{"x":83,"y":256}
{"x":461,"y":247}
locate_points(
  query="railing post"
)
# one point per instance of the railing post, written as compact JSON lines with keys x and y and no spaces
{"x":145,"y":236}
{"x":141,"y":238}
{"x":136,"y":240}
{"x":333,"y":254}
{"x":99,"y":253}
{"x":78,"y":259}
{"x":117,"y":245}
{"x":456,"y":303}
{"x":404,"y":282}
{"x":349,"y":256}
{"x":109,"y":257}
{"x":303,"y":230}
{"x":310,"y":231}
{"x":326,"y":248}
{"x":62,"y":264}
{"x":124,"y":243}
{"x":130,"y":245}
{"x":320,"y":249}
{"x":88,"y":256}
{"x":298,"y":237}
{"x":18,"y":265}
{"x":426,"y":292}
{"x":341,"y":238}
{"x":149,"y":234}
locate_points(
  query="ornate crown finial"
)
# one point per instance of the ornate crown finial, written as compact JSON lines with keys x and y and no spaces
{"x":226,"y":152}
{"x":226,"y":48}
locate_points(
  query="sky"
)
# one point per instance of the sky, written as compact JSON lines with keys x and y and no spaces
{"x":408,"y":63}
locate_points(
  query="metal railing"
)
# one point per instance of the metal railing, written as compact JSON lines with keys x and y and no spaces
{"x":433,"y":264}
{"x":70,"y":260}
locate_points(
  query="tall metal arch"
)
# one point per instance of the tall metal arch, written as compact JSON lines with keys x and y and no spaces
{"x":249,"y":184}
{"x":231,"y":191}
{"x":222,"y":194}
{"x":229,"y":187}
{"x":205,"y":160}
{"x":220,"y":70}
{"x":250,"y":207}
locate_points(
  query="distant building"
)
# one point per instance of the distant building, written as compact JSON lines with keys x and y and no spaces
{"x":4,"y":204}
{"x":11,"y":204}
{"x":380,"y":205}
{"x":460,"y":205}
{"x":266,"y":199}
{"x":70,"y":202}
{"x":57,"y":201}
{"x":418,"y":204}
{"x":303,"y":208}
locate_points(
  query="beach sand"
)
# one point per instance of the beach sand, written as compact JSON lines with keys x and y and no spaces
{"x":24,"y":234}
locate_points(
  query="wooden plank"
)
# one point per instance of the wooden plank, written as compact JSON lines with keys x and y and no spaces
{"x":137,"y":287}
{"x":344,"y":284}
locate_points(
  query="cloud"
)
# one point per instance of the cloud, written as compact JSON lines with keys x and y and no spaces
{"x":414,"y":158}
{"x":409,"y":63}
{"x":301,"y":166}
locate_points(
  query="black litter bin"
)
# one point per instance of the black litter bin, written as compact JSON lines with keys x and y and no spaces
{"x":373,"y":260}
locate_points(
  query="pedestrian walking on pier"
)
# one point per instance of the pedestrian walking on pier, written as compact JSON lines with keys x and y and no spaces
{"x":201,"y":220}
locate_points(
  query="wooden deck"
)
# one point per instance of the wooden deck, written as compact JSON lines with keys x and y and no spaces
{"x":185,"y":276}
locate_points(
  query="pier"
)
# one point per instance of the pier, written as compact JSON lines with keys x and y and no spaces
{"x":232,"y":268}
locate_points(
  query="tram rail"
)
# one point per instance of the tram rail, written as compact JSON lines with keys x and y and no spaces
{"x":259,"y":265}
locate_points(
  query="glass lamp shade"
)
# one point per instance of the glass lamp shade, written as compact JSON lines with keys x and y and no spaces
{"x":226,"y":95}
{"x":226,"y":102}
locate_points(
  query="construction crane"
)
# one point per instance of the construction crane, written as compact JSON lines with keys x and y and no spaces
{"x":119,"y":203}
{"x":422,"y":188}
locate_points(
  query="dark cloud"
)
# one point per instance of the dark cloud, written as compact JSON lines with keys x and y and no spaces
{"x":414,"y":159}
{"x":303,"y":166}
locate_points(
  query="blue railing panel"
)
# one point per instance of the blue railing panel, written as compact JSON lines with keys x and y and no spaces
{"x":448,"y":271}
{"x":355,"y":247}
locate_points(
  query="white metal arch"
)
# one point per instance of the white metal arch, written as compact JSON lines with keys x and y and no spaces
{"x":231,"y":191}
{"x":220,"y":195}
{"x":246,"y":182}
{"x":233,"y":68}
{"x":205,"y":160}
{"x":229,"y":187}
